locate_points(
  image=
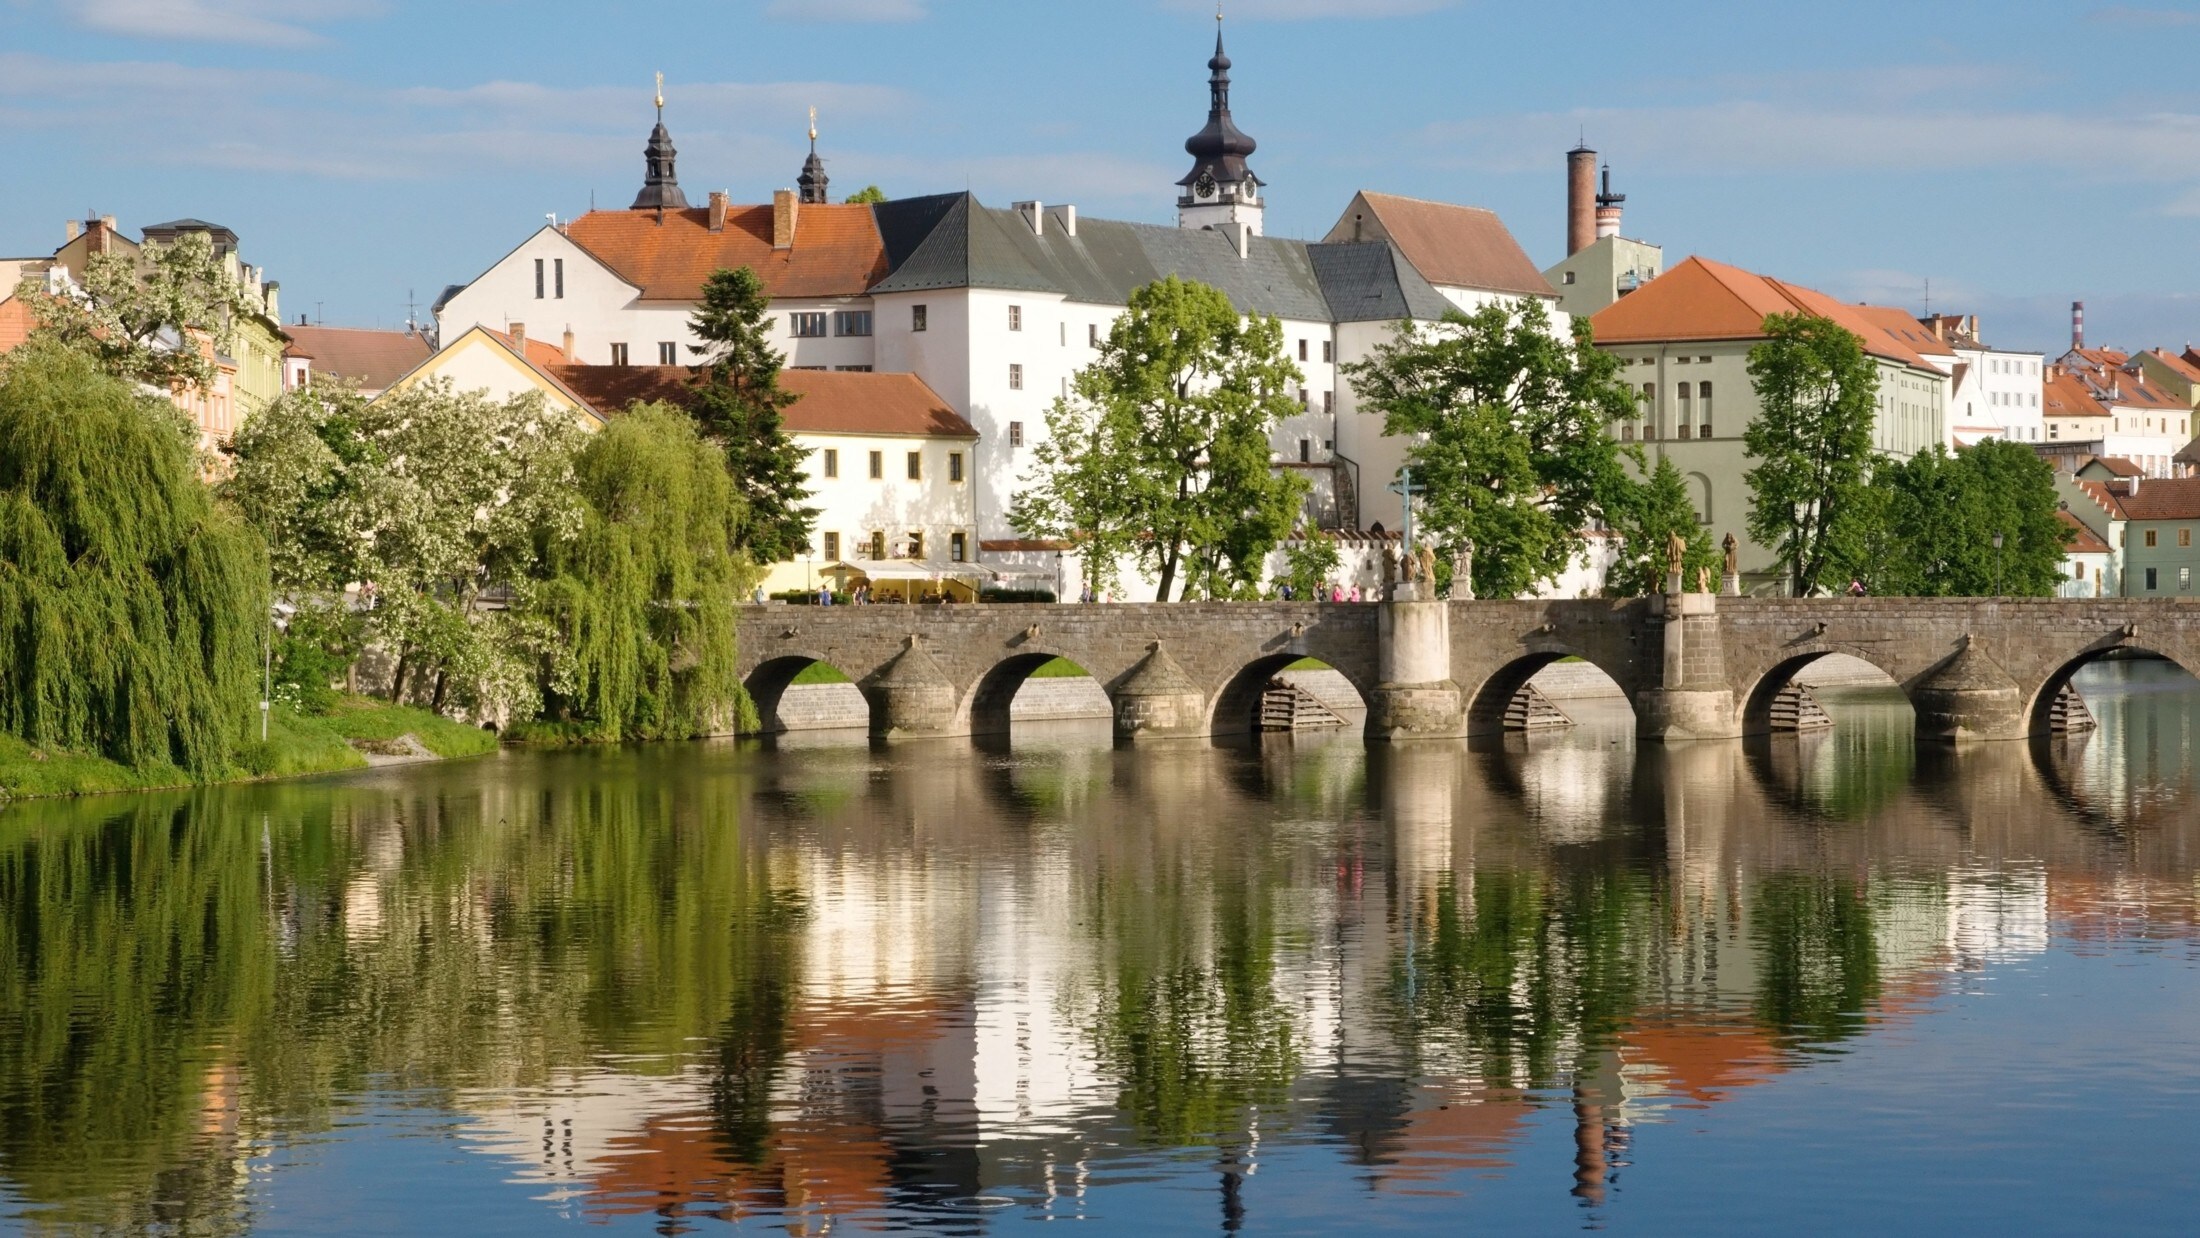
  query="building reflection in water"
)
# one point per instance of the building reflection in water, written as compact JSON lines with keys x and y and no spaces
{"x":825,"y":983}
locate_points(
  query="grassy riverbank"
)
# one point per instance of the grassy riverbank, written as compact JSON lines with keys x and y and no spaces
{"x":296,"y":746}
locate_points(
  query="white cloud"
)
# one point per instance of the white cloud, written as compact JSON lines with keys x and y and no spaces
{"x":846,"y":10}
{"x":271,"y":23}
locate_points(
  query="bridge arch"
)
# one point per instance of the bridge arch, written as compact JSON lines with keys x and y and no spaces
{"x":989,"y":706}
{"x":2039,"y":711}
{"x":1234,"y":710}
{"x":768,"y":684}
{"x":1488,"y":701}
{"x":1765,"y":689}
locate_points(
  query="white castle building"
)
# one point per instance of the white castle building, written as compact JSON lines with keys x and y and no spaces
{"x":996,"y":308}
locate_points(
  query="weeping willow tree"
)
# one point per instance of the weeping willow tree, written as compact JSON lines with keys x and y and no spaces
{"x":641,"y":603}
{"x":130,"y":607}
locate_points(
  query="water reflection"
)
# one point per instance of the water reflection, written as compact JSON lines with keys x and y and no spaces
{"x":810,"y":984}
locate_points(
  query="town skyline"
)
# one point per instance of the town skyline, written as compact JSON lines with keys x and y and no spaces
{"x":1867,"y":179}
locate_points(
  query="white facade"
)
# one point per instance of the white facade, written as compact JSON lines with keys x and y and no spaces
{"x":885,"y":497}
{"x":1996,"y":396}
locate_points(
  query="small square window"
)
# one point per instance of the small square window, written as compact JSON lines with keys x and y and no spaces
{"x":832,"y":545}
{"x":1015,"y":377}
{"x":917,"y":316}
{"x":2184,"y":538}
{"x":916,"y":544}
{"x":2153,"y":539}
{"x":958,"y":547}
{"x":1015,"y":433}
{"x":916,"y":466}
{"x":954,"y":466}
{"x":1015,"y":317}
{"x":832,"y":462}
{"x":668,"y":353}
{"x":618,"y":354}
{"x":878,"y":466}
{"x":1569,"y":277}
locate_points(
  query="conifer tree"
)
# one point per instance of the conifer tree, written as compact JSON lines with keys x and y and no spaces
{"x":738,"y":403}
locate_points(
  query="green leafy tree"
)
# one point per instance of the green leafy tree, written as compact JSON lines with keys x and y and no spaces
{"x":739,"y":403}
{"x":640,"y":605}
{"x":869,"y":195}
{"x":131,"y":608}
{"x":1645,"y":516}
{"x":425,"y":498}
{"x":1310,"y":563}
{"x":1817,"y":393}
{"x":156,"y":315}
{"x":1510,"y":432}
{"x":1166,"y":450}
{"x":1933,"y":519}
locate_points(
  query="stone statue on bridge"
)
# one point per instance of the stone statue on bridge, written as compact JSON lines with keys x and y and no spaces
{"x":1676,"y":562}
{"x":1462,"y":572}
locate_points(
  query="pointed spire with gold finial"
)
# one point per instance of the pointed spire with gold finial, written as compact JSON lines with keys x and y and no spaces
{"x":661,"y":188}
{"x":816,"y":187}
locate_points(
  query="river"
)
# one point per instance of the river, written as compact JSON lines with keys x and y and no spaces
{"x":1819,"y":983}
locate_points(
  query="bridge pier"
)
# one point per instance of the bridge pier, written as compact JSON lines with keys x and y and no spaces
{"x":1969,"y":698}
{"x":1693,"y":699}
{"x":911,"y":698}
{"x":1416,"y":697}
{"x":1157,"y":700}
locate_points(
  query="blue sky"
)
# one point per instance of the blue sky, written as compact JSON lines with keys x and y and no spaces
{"x":2020,"y":154}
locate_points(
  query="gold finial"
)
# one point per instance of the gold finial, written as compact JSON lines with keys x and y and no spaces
{"x":660,"y":96}
{"x":1218,"y":12}
{"x":813,"y":126}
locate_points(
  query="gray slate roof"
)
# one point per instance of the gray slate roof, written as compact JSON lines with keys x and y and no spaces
{"x":966,"y":244}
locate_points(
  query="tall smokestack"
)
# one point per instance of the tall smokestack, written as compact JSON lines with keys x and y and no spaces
{"x":2077,"y":324}
{"x":1581,"y":199}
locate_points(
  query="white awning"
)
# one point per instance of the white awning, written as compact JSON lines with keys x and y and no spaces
{"x":915,"y":570}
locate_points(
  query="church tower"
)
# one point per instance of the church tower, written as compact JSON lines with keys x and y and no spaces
{"x":661,"y":188}
{"x":815,"y":185}
{"x":1220,"y":188}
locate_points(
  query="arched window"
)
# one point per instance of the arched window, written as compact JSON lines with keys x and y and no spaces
{"x":1699,"y":493}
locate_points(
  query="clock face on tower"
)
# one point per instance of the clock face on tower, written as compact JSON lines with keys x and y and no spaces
{"x":1205,"y":185}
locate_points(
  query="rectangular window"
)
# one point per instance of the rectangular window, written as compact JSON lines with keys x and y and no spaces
{"x":2184,"y":580}
{"x":2184,"y":538}
{"x":916,"y":466}
{"x":832,"y":546}
{"x":1015,"y":433}
{"x":878,"y":466}
{"x":1304,"y":347}
{"x":1329,"y":401}
{"x":2153,"y":580}
{"x":1306,"y":451}
{"x":852,"y":322}
{"x":917,"y":317}
{"x":558,"y":268}
{"x":538,"y":279}
{"x":1092,"y":334}
{"x":1303,"y":401}
{"x":1685,"y":430}
{"x":955,"y":467}
{"x":2152,"y":538}
{"x":1569,"y":277}
{"x":618,"y":354}
{"x":916,"y":544}
{"x":807,"y":326}
{"x":1015,"y":377}
{"x":832,"y":462}
{"x":668,"y":353}
{"x":1015,"y":317}
{"x":958,"y":547}
{"x":1329,"y":351}
{"x":878,"y":544}
{"x":852,"y":369}
{"x":1627,"y":432}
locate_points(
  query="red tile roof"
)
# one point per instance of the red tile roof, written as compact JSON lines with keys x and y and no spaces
{"x":2084,"y":541}
{"x":2118,"y":466}
{"x":538,"y":353}
{"x":837,"y":250}
{"x":372,"y":359}
{"x":827,"y":403}
{"x":15,"y":322}
{"x":1705,"y":300}
{"x":2065,"y":395}
{"x":1459,"y":246}
{"x":2158,"y":498}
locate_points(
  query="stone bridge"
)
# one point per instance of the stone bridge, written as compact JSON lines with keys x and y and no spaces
{"x":1693,"y":666}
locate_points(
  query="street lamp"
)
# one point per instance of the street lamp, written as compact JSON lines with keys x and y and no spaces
{"x":1061,"y":580}
{"x":1997,"y":564}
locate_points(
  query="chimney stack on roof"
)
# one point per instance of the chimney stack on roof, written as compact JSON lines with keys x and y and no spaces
{"x":785,"y":210}
{"x":1609,"y":206}
{"x":568,"y":346}
{"x":1581,"y":195}
{"x":718,"y":210}
{"x":518,"y":332}
{"x":75,"y":228}
{"x":1035,"y":216}
{"x":2077,"y":324}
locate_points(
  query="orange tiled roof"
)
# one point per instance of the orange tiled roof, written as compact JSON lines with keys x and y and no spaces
{"x":837,"y":250}
{"x":15,"y":323}
{"x":2158,"y":498}
{"x":1899,"y":323}
{"x":1705,"y":300}
{"x":538,"y":353}
{"x":2065,"y":395}
{"x":373,"y":359}
{"x":1460,"y":246}
{"x":827,"y":403}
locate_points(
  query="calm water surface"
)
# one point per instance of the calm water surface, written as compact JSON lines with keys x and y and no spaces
{"x":1832,"y":983}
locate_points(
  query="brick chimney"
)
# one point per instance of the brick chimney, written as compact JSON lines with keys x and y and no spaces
{"x":75,"y":228}
{"x":2077,"y":324}
{"x":1581,"y":199}
{"x":718,"y":210}
{"x":518,"y":332}
{"x":785,"y":207}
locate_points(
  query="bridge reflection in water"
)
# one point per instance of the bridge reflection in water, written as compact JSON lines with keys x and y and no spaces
{"x":855,"y":984}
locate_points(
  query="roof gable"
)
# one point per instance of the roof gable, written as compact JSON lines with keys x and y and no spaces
{"x":1450,"y":245}
{"x":1704,"y":300}
{"x":502,"y":347}
{"x":837,"y":250}
{"x":372,"y":359}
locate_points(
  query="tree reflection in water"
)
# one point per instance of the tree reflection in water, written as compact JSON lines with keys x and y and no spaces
{"x":884,"y":983}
